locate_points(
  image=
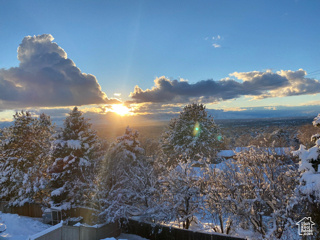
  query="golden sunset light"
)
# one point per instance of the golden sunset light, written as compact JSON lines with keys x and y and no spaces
{"x":120,"y":109}
{"x":122,"y":118}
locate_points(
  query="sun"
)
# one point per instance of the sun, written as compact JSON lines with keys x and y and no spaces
{"x":120,"y":109}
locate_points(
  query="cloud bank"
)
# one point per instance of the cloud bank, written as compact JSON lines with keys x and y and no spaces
{"x":46,"y":77}
{"x":256,"y":84}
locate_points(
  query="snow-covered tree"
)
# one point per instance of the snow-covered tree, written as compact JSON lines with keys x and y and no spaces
{"x":180,"y":189}
{"x":76,"y":153}
{"x":128,"y":181}
{"x":257,"y":189}
{"x":25,"y":151}
{"x":280,"y":138}
{"x":215,"y":191}
{"x":308,"y":192}
{"x":193,"y":135}
{"x":304,"y":133}
{"x":151,"y":147}
{"x":122,"y":154}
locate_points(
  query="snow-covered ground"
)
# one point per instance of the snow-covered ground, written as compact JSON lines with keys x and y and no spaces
{"x":19,"y":227}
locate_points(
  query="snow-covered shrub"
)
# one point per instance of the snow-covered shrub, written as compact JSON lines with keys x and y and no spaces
{"x":256,"y":189}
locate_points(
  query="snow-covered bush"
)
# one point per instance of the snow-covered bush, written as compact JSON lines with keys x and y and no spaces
{"x":256,"y":189}
{"x":76,"y":153}
{"x":24,"y":157}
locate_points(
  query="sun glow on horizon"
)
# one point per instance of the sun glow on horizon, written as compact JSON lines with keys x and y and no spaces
{"x":120,"y":109}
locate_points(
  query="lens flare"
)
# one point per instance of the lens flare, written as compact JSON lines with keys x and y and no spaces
{"x":196,"y":129}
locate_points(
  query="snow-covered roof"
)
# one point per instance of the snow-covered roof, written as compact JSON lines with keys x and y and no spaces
{"x":270,"y":150}
{"x":277,"y":150}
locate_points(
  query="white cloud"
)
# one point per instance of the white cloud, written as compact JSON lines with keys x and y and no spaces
{"x":216,"y":41}
{"x":46,"y":77}
{"x":234,"y":109}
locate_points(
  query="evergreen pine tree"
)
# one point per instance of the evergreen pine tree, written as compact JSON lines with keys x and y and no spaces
{"x":308,"y":192}
{"x":193,"y":135}
{"x":128,"y":181}
{"x":75,"y":156}
{"x":25,"y":149}
{"x":123,"y":154}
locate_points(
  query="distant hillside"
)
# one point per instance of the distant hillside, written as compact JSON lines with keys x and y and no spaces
{"x":154,"y":129}
{"x":260,"y":122}
{"x":147,"y":129}
{"x":5,"y":124}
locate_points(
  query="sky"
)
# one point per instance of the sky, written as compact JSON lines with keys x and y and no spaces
{"x":157,"y":56}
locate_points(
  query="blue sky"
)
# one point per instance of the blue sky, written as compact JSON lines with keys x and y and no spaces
{"x":129,"y":43}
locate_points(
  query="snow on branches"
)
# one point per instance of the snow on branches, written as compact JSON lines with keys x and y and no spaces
{"x":76,"y":154}
{"x":25,"y":151}
{"x":309,"y":166}
{"x":252,"y":191}
{"x":193,"y":135}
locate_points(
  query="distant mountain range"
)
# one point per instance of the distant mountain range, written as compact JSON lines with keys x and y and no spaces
{"x":309,"y":111}
{"x":265,"y":112}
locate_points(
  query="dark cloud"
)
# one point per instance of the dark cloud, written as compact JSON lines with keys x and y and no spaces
{"x":255,"y":84}
{"x":46,"y":77}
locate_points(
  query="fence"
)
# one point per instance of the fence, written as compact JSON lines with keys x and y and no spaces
{"x":146,"y":230}
{"x":55,"y":232}
{"x":160,"y":232}
{"x":79,"y":232}
{"x":28,"y":209}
